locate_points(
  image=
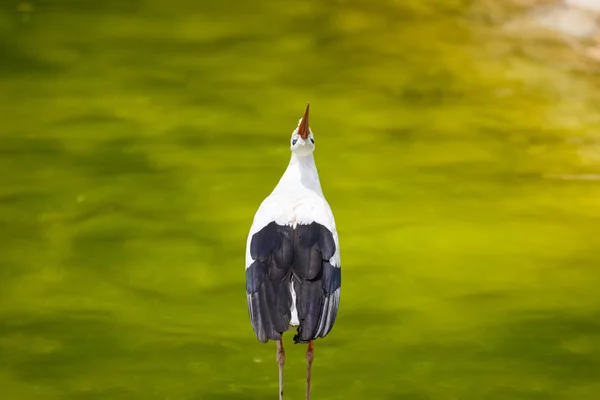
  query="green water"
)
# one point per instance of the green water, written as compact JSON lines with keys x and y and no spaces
{"x":138,"y":138}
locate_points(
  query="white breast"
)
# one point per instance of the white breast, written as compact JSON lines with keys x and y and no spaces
{"x":289,"y":209}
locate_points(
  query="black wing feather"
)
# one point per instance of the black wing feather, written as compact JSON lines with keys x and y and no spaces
{"x":282,"y":255}
{"x":315,"y":281}
{"x":267,"y":281}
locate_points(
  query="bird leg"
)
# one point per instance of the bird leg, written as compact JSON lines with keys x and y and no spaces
{"x":280,"y":362}
{"x":310,"y":356}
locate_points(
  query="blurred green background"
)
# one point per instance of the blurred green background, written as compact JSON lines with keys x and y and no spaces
{"x":138,"y":138}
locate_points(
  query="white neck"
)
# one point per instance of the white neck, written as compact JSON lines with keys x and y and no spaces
{"x":301,"y":172}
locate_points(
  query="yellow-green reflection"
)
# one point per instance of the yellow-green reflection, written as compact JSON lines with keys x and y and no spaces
{"x":139,"y":137}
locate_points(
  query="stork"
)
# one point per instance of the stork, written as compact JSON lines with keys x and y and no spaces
{"x":293,"y":271}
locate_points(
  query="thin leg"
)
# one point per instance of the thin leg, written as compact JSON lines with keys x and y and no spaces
{"x":280,"y":362}
{"x":310,"y":356}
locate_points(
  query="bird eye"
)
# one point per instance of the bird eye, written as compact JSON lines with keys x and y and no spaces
{"x":294,"y":141}
{"x":312,"y":140}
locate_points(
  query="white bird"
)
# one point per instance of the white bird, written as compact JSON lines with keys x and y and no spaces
{"x":293,"y":272}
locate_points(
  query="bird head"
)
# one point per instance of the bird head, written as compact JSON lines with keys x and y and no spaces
{"x":303,"y":142}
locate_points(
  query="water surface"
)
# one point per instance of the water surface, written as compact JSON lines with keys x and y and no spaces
{"x":139,"y":137}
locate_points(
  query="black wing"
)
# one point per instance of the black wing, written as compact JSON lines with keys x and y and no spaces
{"x":316,"y":281}
{"x":282,"y":255}
{"x":267,"y":281}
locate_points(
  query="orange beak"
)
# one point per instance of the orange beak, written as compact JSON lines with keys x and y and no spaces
{"x":303,"y":128}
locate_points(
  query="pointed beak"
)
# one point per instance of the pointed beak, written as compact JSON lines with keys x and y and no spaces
{"x":303,"y":128}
